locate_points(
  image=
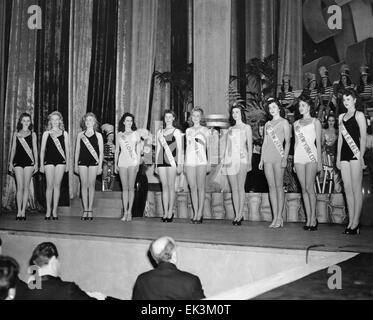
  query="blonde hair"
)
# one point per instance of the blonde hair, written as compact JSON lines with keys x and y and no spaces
{"x":55,"y":113}
{"x":82,"y":122}
{"x":200,"y":110}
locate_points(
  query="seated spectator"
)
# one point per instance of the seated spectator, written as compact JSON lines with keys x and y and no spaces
{"x":51,"y":286}
{"x":166,"y":282}
{"x":9,"y":270}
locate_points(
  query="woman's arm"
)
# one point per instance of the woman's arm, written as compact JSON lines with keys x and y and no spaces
{"x":101,"y":149}
{"x":287,"y":144}
{"x":249,"y":136}
{"x":318,"y":144}
{"x":339,"y":145}
{"x":13,"y":152}
{"x":42,"y":150}
{"x":361,"y":121}
{"x":35,"y":151}
{"x":116,"y":154}
{"x":263,"y":146}
{"x":77,"y":152}
{"x":139,"y":146}
{"x":67,"y":152}
{"x":180,"y":150}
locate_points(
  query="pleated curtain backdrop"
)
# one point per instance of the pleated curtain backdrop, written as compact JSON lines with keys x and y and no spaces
{"x":290,"y":46}
{"x":137,"y":30}
{"x":212,"y":42}
{"x":80,"y":51}
{"x":20,"y":88}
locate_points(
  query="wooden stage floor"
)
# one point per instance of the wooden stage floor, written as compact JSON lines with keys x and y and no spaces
{"x":252,"y":234}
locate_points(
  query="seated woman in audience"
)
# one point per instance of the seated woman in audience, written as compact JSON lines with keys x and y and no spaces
{"x":350,"y":158}
{"x":23,"y":161}
{"x":329,"y":138}
{"x":327,"y":99}
{"x":127,"y":161}
{"x":274,"y":157}
{"x":169,"y":161}
{"x":48,"y":285}
{"x":286,"y":96}
{"x":196,"y":162}
{"x":54,"y":160}
{"x":237,"y":158}
{"x":89,"y":154}
{"x":307,"y":157}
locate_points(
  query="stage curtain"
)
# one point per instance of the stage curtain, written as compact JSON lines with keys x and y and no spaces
{"x":290,"y":46}
{"x":52,"y":75}
{"x":212,"y":43}
{"x":260,"y":28}
{"x":161,"y":94}
{"x":101,"y":92}
{"x":20,"y":88}
{"x":137,"y":30}
{"x":80,"y":51}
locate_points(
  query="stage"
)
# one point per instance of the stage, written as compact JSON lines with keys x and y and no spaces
{"x":233,"y":262}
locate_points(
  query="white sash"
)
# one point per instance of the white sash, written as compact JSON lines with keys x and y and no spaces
{"x":58,"y":145}
{"x":167,"y":150}
{"x":276,"y":141}
{"x":351,"y":143}
{"x":128,"y":147}
{"x":304,"y":143}
{"x":197,"y":148}
{"x":90,"y":148}
{"x":26,"y":147}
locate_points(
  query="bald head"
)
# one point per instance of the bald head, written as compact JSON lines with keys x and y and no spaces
{"x":163,"y":250}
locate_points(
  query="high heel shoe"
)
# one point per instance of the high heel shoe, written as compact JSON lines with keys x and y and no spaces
{"x":306,"y":228}
{"x":18,"y":218}
{"x":347,"y":230}
{"x":314,"y":228}
{"x":47,"y":218}
{"x":355,"y":231}
{"x":84,"y":217}
{"x":279,"y":224}
{"x":170,"y":219}
{"x":163,"y":219}
{"x":54,"y":218}
{"x":90,"y":215}
{"x":239,"y":222}
{"x":199,"y":221}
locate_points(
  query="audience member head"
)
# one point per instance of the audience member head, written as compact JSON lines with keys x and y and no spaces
{"x":9,"y":270}
{"x":164,"y":250}
{"x":45,"y":257}
{"x":127,"y":121}
{"x":89,"y":121}
{"x":236,"y":110}
{"x":55,"y":121}
{"x":24,"y":122}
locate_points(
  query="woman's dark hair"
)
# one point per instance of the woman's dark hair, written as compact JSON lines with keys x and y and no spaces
{"x":9,"y":270}
{"x":43,"y":253}
{"x":307,"y":99}
{"x":328,"y":84}
{"x":326,"y":124}
{"x":279,"y":105}
{"x":348,"y":81}
{"x":122,"y":127}
{"x":243,"y":116}
{"x":84,"y":118}
{"x":350,"y":92}
{"x":283,"y":87}
{"x":168,"y":111}
{"x":19,"y":123}
{"x":361,"y":84}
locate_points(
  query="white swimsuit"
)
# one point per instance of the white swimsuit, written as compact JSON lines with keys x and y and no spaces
{"x":196,"y":146}
{"x":309,"y":132}
{"x":128,"y":156}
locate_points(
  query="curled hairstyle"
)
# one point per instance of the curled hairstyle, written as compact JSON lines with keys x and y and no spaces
{"x":82,"y":122}
{"x":279,"y":106}
{"x":166,"y":254}
{"x":122,"y":127}
{"x":283,"y":87}
{"x":307,"y":99}
{"x":55,"y":113}
{"x":326,"y":124}
{"x":19,"y":123}
{"x":9,"y":270}
{"x":168,"y":111}
{"x":200,"y":110}
{"x":350,"y":92}
{"x":43,"y":253}
{"x":243,"y":116}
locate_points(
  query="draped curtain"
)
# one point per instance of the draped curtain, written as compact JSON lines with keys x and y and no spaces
{"x":80,"y":51}
{"x":52,"y":75}
{"x":290,"y":46}
{"x":212,"y":42}
{"x":101,"y":94}
{"x":137,"y":30}
{"x":20,"y":87}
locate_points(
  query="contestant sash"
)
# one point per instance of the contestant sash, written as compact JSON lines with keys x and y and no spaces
{"x":351,"y":143}
{"x":128,"y":147}
{"x":197,"y":145}
{"x":303,"y":142}
{"x":90,"y":148}
{"x":167,"y":150}
{"x":58,"y":145}
{"x":26,"y":147}
{"x":276,"y":141}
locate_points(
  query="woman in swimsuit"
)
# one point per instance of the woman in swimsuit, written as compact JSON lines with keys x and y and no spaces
{"x":89,"y":153}
{"x":169,"y":161}
{"x":54,"y":160}
{"x":23,"y":161}
{"x":350,"y":157}
{"x":127,"y":161}
{"x":274,"y":159}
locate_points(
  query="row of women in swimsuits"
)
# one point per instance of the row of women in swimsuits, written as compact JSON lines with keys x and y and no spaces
{"x":308,"y":161}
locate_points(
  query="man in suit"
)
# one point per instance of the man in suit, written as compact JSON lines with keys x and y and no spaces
{"x":46,"y":284}
{"x":166,"y":282}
